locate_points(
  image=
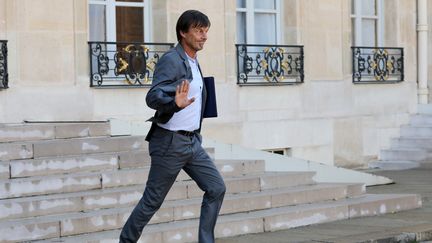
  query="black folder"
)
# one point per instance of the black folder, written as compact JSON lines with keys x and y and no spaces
{"x":210,"y":107}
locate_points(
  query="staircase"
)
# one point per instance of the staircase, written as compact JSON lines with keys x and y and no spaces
{"x":414,"y":146}
{"x":76,"y":183}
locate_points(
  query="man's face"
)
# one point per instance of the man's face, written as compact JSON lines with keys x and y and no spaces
{"x":195,"y":37}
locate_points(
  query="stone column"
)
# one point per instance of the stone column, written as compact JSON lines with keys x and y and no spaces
{"x":422,"y":51}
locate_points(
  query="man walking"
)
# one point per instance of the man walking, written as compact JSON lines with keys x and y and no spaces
{"x":178,"y":95}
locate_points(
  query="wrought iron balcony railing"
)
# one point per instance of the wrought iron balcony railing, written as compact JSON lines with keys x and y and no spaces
{"x":4,"y":79}
{"x":269,"y":64}
{"x":377,"y":64}
{"x":114,"y":64}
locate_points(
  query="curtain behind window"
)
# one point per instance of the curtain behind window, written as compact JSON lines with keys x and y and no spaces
{"x":97,"y":19}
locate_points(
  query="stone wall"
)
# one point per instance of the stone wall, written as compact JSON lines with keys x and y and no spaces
{"x":326,"y":119}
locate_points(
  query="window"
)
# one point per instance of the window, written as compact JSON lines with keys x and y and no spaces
{"x":119,"y":20}
{"x":123,"y":61}
{"x":367,"y":22}
{"x":281,"y":151}
{"x":258,"y":21}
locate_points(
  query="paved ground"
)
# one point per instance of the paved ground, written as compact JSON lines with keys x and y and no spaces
{"x":409,"y":226}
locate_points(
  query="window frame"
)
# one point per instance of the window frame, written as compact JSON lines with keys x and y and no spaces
{"x":250,"y":11}
{"x":358,"y":16}
{"x":110,"y":11}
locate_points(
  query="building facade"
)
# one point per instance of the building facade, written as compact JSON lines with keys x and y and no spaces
{"x":303,"y":87}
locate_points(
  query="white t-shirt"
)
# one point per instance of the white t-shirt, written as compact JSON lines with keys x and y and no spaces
{"x":188,"y":119}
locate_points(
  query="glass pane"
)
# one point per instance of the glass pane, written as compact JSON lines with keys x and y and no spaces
{"x":353,"y":32}
{"x":368,"y":32}
{"x":130,"y":24}
{"x":131,"y":1}
{"x":265,"y":28}
{"x":368,"y":7}
{"x":97,"y":22}
{"x":352,"y":6}
{"x":265,"y":4}
{"x":241,"y":28}
{"x":241,"y":3}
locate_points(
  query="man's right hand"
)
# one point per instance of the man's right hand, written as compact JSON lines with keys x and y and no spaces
{"x":181,"y":96}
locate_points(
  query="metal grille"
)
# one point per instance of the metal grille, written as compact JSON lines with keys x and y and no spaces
{"x":114,"y":64}
{"x":378,"y":64}
{"x":4,"y":76}
{"x":269,"y":64}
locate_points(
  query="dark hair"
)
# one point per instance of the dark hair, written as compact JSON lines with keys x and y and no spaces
{"x":191,"y":18}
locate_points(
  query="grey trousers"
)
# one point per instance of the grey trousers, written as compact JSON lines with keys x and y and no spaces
{"x":170,"y":152}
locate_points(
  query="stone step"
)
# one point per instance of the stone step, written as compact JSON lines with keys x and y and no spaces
{"x":238,"y":168}
{"x":23,"y":132}
{"x":104,"y":161}
{"x":4,"y":170}
{"x":53,"y":184}
{"x":63,"y":165}
{"x":411,"y":142}
{"x":366,"y":205}
{"x":421,"y":120}
{"x":425,"y":109}
{"x":404,"y":154}
{"x":260,"y":182}
{"x":42,"y":185}
{"x":78,"y":146}
{"x":211,"y":152}
{"x":106,"y":219}
{"x":19,"y":150}
{"x":138,"y":176}
{"x":228,"y":168}
{"x":244,"y":202}
{"x":128,"y":195}
{"x":134,"y":159}
{"x":262,"y":220}
{"x":25,"y":207}
{"x":400,"y":165}
{"x":416,"y":131}
{"x":71,"y":146}
{"x":76,"y":130}
{"x":101,"y":161}
{"x":78,"y":163}
{"x":233,"y":168}
{"x":44,"y":131}
{"x":394,"y":165}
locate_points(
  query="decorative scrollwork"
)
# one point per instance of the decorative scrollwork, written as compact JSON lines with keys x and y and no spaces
{"x":124,"y":64}
{"x":131,"y":62}
{"x":269,"y":65}
{"x":4,"y":76}
{"x":377,"y":65}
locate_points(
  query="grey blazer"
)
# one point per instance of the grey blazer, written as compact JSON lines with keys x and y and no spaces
{"x":171,"y":69}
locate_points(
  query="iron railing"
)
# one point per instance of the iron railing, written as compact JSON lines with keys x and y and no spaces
{"x":115,"y":64}
{"x":269,"y":64}
{"x":4,"y":75}
{"x":377,"y":64}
